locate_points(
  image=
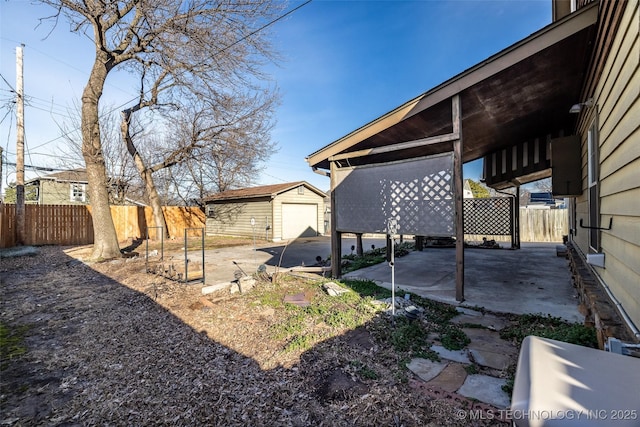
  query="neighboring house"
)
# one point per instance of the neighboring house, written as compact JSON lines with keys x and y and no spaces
{"x":543,"y":200}
{"x":467,"y":191}
{"x":272,"y":212}
{"x":60,"y":188}
{"x":562,"y":103}
{"x":70,"y":187}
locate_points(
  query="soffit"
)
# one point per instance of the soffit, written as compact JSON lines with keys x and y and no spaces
{"x":519,"y":94}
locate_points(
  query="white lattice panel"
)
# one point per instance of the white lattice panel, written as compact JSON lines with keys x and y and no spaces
{"x":418,"y":194}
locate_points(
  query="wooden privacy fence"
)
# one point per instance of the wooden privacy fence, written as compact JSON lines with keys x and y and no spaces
{"x":543,"y":225}
{"x":47,"y":224}
{"x":536,"y":225}
{"x":73,"y":225}
{"x":132,"y":222}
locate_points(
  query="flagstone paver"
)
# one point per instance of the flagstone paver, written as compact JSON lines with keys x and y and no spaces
{"x":490,"y":359}
{"x":426,"y":369}
{"x":486,"y":389}
{"x":488,"y":320}
{"x":461,"y":356}
{"x":451,"y":378}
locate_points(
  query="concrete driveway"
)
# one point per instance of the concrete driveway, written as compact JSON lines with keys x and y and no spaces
{"x":529,"y":280}
{"x":222,"y":264}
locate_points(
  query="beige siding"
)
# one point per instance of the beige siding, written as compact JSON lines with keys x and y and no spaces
{"x":292,"y":196}
{"x":618,"y":103}
{"x":581,"y":237}
{"x":234,"y":219}
{"x":58,"y":193}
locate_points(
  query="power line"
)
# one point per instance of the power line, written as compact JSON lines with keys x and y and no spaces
{"x":50,"y":111}
{"x":7,"y":83}
{"x":62,"y":62}
{"x":36,"y":168}
{"x":268,"y":24}
{"x":117,"y":108}
{"x":36,"y":100}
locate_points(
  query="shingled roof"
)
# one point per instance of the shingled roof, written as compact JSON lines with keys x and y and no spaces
{"x":72,"y":175}
{"x":261,"y":191}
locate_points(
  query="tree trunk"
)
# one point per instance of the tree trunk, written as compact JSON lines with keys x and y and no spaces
{"x":154,"y":200}
{"x":145,"y":174}
{"x":105,"y":238}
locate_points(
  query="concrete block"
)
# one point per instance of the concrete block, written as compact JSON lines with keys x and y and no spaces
{"x":245,"y":284}
{"x":215,"y":288}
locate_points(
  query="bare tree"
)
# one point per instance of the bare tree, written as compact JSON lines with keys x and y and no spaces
{"x":543,"y":185}
{"x":119,"y":167}
{"x":232,"y":143}
{"x":207,"y":46}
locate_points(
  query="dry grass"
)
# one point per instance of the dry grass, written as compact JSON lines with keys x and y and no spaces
{"x":108,"y":344}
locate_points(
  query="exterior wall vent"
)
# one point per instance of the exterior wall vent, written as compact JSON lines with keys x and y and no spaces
{"x":596,"y":260}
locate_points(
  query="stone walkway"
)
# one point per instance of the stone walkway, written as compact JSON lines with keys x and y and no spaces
{"x":454,"y":373}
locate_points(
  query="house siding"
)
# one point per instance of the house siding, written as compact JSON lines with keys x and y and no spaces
{"x":58,"y":193}
{"x":309,"y":197}
{"x":617,"y":100}
{"x":234,"y":218}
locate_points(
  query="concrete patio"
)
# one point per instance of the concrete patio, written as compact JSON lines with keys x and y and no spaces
{"x":529,"y":280}
{"x":532,"y":279}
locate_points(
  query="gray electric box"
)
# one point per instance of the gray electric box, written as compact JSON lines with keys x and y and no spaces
{"x":566,"y":166}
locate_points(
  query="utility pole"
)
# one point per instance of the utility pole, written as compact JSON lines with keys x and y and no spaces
{"x":1,"y":162}
{"x":20,"y":211}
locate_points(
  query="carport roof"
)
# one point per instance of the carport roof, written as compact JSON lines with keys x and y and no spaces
{"x":522,"y":92}
{"x":261,"y":191}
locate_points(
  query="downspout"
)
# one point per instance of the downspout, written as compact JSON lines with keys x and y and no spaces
{"x":515,"y":242}
{"x":328,"y":175}
{"x":273,"y":225}
{"x":615,"y":301}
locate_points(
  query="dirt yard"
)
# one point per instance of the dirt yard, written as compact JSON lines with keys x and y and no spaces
{"x":109,"y":344}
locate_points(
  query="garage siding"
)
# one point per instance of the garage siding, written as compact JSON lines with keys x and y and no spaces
{"x":234,"y":218}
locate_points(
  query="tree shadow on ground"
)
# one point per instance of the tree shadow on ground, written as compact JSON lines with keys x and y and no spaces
{"x":99,"y":352}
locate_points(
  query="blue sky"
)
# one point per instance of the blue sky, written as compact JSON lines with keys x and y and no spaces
{"x":344,"y":64}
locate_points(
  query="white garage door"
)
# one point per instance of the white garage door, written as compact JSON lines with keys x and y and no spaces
{"x":299,"y":220}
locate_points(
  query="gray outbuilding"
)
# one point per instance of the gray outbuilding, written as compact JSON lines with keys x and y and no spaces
{"x":271,"y":212}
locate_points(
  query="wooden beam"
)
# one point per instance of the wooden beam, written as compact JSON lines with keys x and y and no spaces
{"x":458,"y":188}
{"x":534,"y":44}
{"x":395,"y":147}
{"x":336,"y":236}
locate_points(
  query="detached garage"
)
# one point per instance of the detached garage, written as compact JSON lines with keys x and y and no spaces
{"x":272,"y":212}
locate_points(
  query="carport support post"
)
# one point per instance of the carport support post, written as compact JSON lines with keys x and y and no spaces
{"x":515,"y":235}
{"x":336,"y":236}
{"x":458,"y":200}
{"x":359,"y":250}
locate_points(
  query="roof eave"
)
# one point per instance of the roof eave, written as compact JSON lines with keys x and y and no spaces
{"x":545,"y":37}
